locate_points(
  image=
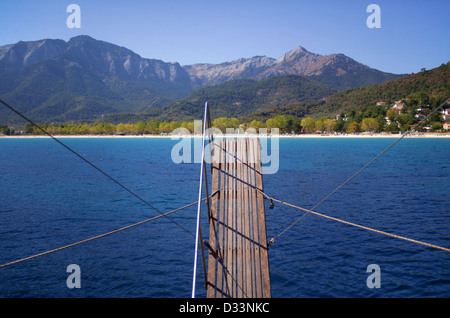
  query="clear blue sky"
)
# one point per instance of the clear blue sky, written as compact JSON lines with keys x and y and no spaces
{"x":413,"y":34}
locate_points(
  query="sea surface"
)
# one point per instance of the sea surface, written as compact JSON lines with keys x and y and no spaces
{"x":50,"y":198}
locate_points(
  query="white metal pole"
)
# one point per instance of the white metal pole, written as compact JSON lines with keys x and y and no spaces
{"x":199,"y":203}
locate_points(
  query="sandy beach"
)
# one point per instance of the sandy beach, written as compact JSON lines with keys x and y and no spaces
{"x":421,"y":135}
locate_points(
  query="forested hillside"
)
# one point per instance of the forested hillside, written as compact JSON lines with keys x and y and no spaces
{"x":429,"y":87}
{"x":236,"y":98}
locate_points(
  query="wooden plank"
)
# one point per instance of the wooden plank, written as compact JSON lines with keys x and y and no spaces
{"x":238,"y":231}
{"x":262,"y":225}
{"x":221,"y":236}
{"x":233,"y":227}
{"x":229,"y":218}
{"x":243,"y":223}
{"x":247,"y":224}
{"x":215,"y":174}
{"x":232,"y":217}
{"x":239,"y":220}
{"x":254,"y":218}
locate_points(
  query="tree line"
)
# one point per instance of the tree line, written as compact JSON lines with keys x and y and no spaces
{"x":373,"y":119}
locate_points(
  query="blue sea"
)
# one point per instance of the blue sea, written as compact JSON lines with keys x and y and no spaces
{"x":51,"y":198}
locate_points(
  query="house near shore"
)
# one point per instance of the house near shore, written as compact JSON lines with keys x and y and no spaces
{"x":446,"y":114}
{"x":398,"y":106}
{"x":338,"y":116}
{"x":388,"y":121}
{"x":419,"y":116}
{"x":422,"y":110}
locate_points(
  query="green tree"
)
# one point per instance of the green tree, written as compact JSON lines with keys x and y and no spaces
{"x":437,"y":126}
{"x":329,"y":125}
{"x":121,"y":129}
{"x":419,"y":98}
{"x":174,"y":125}
{"x":109,"y":128}
{"x":319,"y":125}
{"x":392,"y":127}
{"x":392,"y":114}
{"x":381,"y":123}
{"x":353,"y":128}
{"x":256,"y":124}
{"x":340,"y":125}
{"x":281,"y":122}
{"x":84,"y":129}
{"x":369,"y":124}
{"x":153,"y":127}
{"x":308,"y":124}
{"x":405,"y":119}
{"x":5,"y":130}
{"x":141,"y":127}
{"x":164,"y":127}
{"x":293,"y":124}
{"x":436,"y":117}
{"x":221,"y":123}
{"x":184,"y":124}
{"x":233,"y":123}
{"x":190,"y":126}
{"x":29,"y":128}
{"x":271,"y":123}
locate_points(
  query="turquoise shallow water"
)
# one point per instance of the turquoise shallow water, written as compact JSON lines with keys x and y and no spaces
{"x":50,"y":198}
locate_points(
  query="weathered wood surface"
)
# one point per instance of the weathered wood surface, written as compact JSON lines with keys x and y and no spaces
{"x":238,"y":265}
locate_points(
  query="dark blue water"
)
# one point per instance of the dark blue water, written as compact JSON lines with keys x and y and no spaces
{"x":50,"y":198}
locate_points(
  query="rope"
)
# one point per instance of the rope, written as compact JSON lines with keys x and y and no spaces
{"x":98,"y":236}
{"x":352,"y":224}
{"x":378,"y":156}
{"x":360,"y":170}
{"x":91,"y":164}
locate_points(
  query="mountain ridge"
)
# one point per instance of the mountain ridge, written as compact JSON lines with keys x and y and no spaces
{"x":297,"y":61}
{"x":86,"y":79}
{"x":88,"y":50}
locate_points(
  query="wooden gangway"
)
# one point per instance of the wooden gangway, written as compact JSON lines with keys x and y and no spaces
{"x":238,"y":263}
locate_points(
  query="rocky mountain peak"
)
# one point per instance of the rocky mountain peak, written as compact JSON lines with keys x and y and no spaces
{"x":22,"y":53}
{"x":299,"y":61}
{"x":292,"y":54}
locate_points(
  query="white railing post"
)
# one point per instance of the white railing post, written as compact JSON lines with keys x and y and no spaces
{"x":198,"y":227}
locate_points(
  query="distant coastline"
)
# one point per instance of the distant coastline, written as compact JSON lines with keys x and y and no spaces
{"x":415,"y":135}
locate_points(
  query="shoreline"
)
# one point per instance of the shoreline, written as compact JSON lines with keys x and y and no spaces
{"x":307,"y":136}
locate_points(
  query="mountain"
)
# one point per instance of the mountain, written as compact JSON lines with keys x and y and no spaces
{"x":240,"y":97}
{"x":53,"y":80}
{"x":111,"y":63}
{"x":335,"y":70}
{"x":213,"y":74}
{"x":430,"y":87}
{"x":85,"y":79}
